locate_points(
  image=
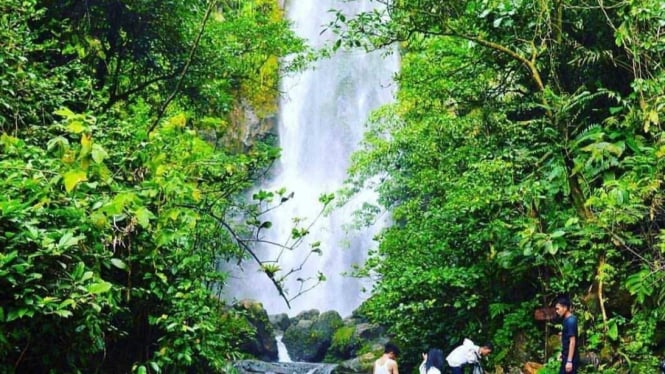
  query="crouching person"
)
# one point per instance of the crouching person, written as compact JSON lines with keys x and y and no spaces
{"x":467,"y":354}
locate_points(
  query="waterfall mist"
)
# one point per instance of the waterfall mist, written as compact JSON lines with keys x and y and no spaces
{"x":321,"y":121}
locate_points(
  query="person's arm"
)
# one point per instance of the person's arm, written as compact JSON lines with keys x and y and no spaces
{"x":571,"y":353}
{"x":393,"y":368}
{"x":422,"y":368}
{"x":472,"y":355}
{"x":569,"y":330}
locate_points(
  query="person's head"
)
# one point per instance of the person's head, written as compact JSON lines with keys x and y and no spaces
{"x":424,"y":354}
{"x":434,"y":359}
{"x":562,"y":306}
{"x":486,"y":349}
{"x":391,"y":350}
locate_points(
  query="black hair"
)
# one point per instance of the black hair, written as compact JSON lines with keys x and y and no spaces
{"x":489,"y":346}
{"x":390,"y":347}
{"x":434,"y":359}
{"x":563,"y":301}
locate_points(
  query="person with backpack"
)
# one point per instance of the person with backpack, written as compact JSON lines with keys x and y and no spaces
{"x":467,"y":354}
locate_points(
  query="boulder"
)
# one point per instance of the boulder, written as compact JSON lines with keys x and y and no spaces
{"x":280,"y":321}
{"x":299,"y":342}
{"x":368,"y":331}
{"x":310,"y":315}
{"x":345,"y":343}
{"x":261,"y":344}
{"x":360,"y":364}
{"x":531,"y":368}
{"x":355,"y":338}
{"x":327,"y":323}
{"x":309,"y":339}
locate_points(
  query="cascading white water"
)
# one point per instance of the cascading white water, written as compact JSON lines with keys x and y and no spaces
{"x":321,"y":122}
{"x":282,"y":353}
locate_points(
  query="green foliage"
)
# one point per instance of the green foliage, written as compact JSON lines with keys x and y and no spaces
{"x":30,"y":90}
{"x":343,"y":336}
{"x":345,"y":344}
{"x":522,"y":160}
{"x":114,"y":209}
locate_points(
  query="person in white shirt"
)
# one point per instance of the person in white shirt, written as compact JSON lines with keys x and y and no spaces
{"x":387,"y":364}
{"x":467,"y":354}
{"x":432,"y":362}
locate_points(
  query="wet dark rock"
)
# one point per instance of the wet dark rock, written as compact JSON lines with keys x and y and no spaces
{"x":368,"y":331}
{"x":261,"y":344}
{"x":355,"y":338}
{"x":360,"y":364}
{"x":258,"y":367}
{"x":309,"y":339}
{"x":280,"y":321}
{"x":327,"y":323}
{"x":310,"y":315}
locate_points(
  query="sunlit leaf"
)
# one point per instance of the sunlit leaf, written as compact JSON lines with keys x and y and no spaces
{"x":73,"y":178}
{"x":118,"y":263}
{"x":99,"y":287}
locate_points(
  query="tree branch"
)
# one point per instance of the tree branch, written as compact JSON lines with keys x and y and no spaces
{"x":530,"y":64}
{"x":185,"y":68}
{"x":125,"y":95}
{"x":241,"y":242}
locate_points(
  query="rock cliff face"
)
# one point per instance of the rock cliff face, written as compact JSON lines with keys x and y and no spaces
{"x":262,"y":345}
{"x":242,"y":128}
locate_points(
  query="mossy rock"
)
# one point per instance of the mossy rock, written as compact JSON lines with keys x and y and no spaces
{"x":302,"y":343}
{"x":360,"y":364}
{"x":328,"y":323}
{"x":261,"y":344}
{"x":309,"y":340}
{"x":345,"y":344}
{"x":310,"y":315}
{"x":368,"y":331}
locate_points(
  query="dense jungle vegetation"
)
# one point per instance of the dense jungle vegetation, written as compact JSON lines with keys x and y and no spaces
{"x":523,"y":159}
{"x":113,"y":207}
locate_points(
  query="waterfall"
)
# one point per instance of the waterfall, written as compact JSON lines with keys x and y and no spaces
{"x":282,"y":353}
{"x":321,"y":121}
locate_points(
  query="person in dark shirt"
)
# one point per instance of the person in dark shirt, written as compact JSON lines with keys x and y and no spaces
{"x":570,"y":356}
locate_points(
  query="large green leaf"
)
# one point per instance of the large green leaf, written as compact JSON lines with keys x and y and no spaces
{"x":72,"y":178}
{"x":99,"y":287}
